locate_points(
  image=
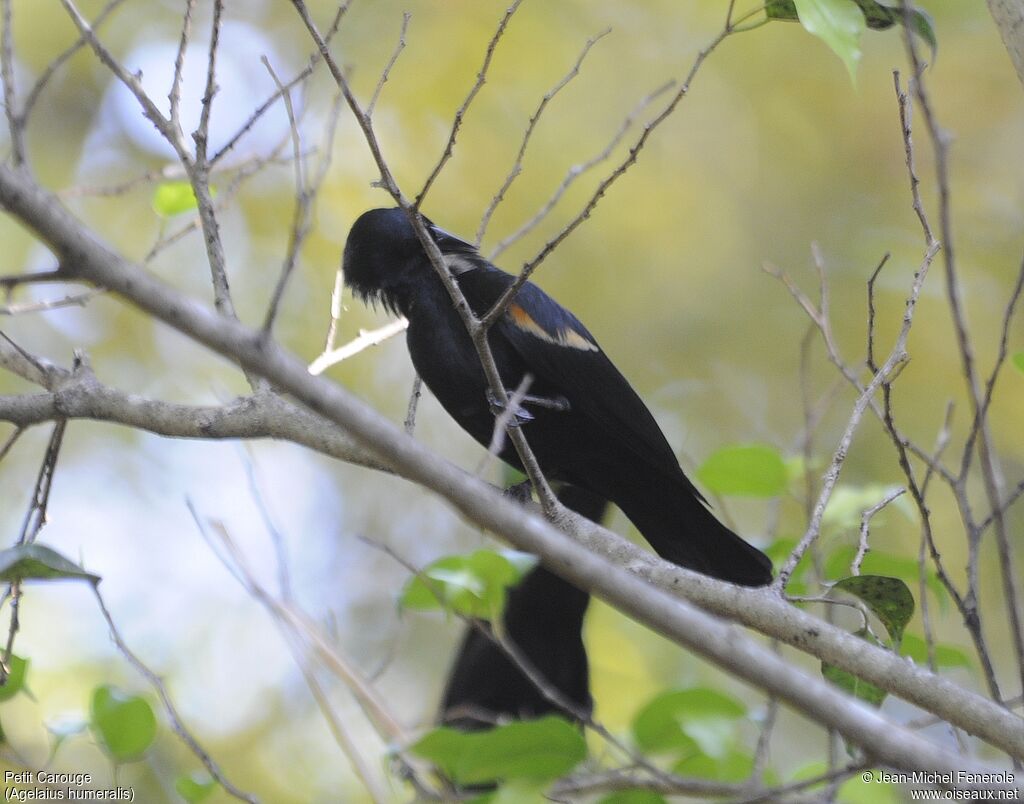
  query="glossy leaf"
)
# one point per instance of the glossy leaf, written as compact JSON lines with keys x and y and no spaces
{"x":688,"y":721}
{"x":538,"y":750}
{"x":889,"y":599}
{"x":37,"y":562}
{"x":751,"y":470}
{"x":879,"y":562}
{"x":876,"y":16}
{"x":124,"y":724}
{"x":473,"y":585}
{"x":839,"y":24}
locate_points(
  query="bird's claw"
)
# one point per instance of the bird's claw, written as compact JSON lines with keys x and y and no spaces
{"x":556,"y":403}
{"x":520,"y":492}
{"x":521,"y":415}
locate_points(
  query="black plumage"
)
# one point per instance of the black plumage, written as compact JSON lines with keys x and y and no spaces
{"x":607,"y":441}
{"x":544,"y":618}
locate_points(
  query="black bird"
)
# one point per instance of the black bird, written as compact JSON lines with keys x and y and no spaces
{"x":588,"y":428}
{"x":544,"y":619}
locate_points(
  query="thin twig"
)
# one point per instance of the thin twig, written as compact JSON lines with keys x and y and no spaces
{"x":300,"y":216}
{"x":897,"y":356}
{"x":503,"y":421}
{"x":414,"y":400}
{"x":386,"y":72}
{"x":366,"y":339}
{"x":499,"y":307}
{"x":578,"y":170}
{"x":51,"y":69}
{"x":991,"y":470}
{"x":460,"y":113}
{"x":15,"y":125}
{"x":517,"y":165}
{"x":12,"y":439}
{"x":172,"y":712}
{"x":865,"y":523}
{"x":75,"y":300}
{"x":174,"y":96}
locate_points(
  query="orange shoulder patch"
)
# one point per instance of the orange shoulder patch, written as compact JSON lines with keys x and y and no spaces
{"x":569,"y":338}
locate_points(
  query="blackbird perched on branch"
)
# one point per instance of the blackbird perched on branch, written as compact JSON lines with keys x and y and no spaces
{"x":584,"y":422}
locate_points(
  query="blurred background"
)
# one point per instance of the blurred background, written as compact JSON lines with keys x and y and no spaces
{"x":773,"y":149}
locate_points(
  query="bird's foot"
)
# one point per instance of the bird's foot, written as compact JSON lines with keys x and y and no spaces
{"x":520,"y":492}
{"x":521,"y":415}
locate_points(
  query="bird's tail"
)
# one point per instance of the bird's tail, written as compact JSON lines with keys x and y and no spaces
{"x":682,"y":530}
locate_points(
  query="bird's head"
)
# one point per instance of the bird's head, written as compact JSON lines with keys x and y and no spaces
{"x":385,"y":262}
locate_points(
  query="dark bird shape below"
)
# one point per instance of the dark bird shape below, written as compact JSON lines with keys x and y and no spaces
{"x":599,"y":436}
{"x":543,"y":618}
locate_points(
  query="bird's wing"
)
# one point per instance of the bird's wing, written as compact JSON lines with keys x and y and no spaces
{"x":558,"y":349}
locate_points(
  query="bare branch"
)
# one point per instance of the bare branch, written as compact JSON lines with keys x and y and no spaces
{"x":406,"y":16}
{"x":528,"y":268}
{"x":15,"y":125}
{"x":52,"y":68}
{"x":460,"y":113}
{"x":517,"y":165}
{"x":414,"y":399}
{"x":865,"y":522}
{"x":991,"y":470}
{"x":366,"y":339}
{"x":896,"y":357}
{"x":300,"y":218}
{"x":174,"y":96}
{"x":579,"y":170}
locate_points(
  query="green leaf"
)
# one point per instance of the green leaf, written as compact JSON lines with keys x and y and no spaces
{"x":37,"y":562}
{"x":688,"y":721}
{"x":172,"y":198}
{"x":473,"y":585}
{"x":733,"y":766}
{"x":195,"y":786}
{"x":876,"y":16}
{"x":880,"y":18}
{"x":18,"y":670}
{"x":538,"y":750}
{"x":850,"y":683}
{"x":839,"y":24}
{"x":124,"y":724}
{"x":889,"y":599}
{"x":751,"y":470}
{"x":879,"y":562}
{"x":1018,"y":361}
{"x":633,"y":797}
{"x":945,"y":655}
